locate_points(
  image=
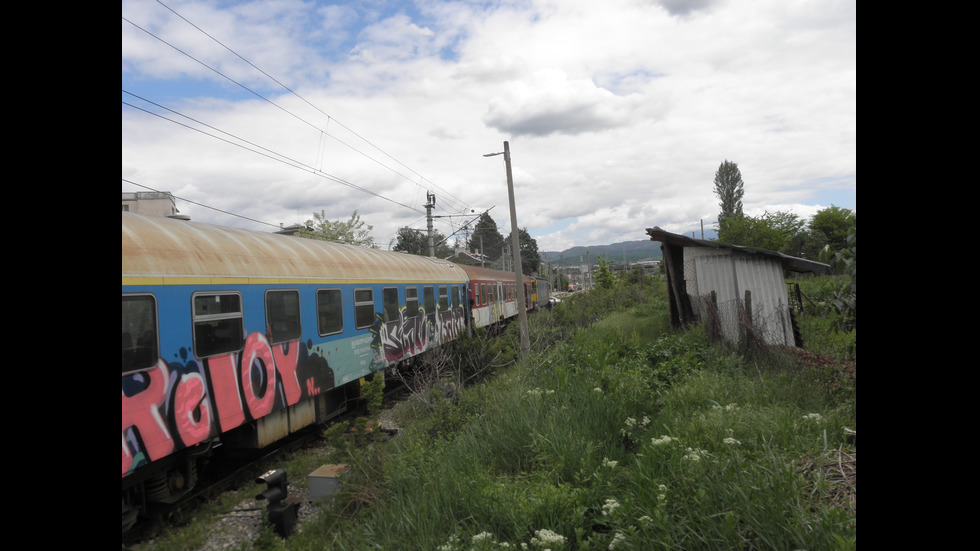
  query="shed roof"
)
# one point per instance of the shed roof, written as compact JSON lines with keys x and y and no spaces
{"x":791,"y":263}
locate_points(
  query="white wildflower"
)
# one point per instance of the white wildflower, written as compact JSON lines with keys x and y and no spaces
{"x":813,"y":417}
{"x":610,"y":506}
{"x":617,"y":539}
{"x":451,"y":545}
{"x":662,"y":440}
{"x":694,"y":454}
{"x":482,"y":536}
{"x":547,"y":537}
{"x":731,"y":441}
{"x":645,"y":520}
{"x":609,"y":463}
{"x":597,"y":389}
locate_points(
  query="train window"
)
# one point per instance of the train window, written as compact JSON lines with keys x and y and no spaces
{"x":329,"y":311}
{"x":443,"y":298}
{"x":139,"y":332}
{"x":389,"y":298}
{"x":363,"y":308}
{"x":430,"y":300}
{"x":411,"y":302}
{"x":483,"y":293}
{"x":218,"y":324}
{"x":282,"y":315}
{"x":455,"y":297}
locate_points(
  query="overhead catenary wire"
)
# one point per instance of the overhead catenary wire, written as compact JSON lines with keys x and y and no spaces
{"x":266,"y":152}
{"x":462,"y":206}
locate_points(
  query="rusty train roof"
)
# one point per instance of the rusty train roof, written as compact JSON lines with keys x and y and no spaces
{"x":158,"y":250}
{"x":479,"y":272}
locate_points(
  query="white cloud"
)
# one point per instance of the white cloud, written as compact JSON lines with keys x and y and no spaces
{"x":617,"y":113}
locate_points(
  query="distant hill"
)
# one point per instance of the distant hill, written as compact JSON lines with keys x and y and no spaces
{"x":628,"y":251}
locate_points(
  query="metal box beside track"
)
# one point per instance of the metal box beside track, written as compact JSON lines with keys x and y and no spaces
{"x":324,"y":481}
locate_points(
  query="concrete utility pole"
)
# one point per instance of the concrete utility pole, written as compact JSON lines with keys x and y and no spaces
{"x":516,"y":250}
{"x":431,"y":198}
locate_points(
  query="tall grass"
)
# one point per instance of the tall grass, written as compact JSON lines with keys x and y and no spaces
{"x":620,"y":433}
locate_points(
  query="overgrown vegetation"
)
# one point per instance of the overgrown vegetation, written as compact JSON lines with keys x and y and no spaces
{"x":616,"y":433}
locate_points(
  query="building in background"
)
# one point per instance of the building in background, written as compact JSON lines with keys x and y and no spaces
{"x":151,"y":203}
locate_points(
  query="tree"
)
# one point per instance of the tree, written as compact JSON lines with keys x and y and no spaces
{"x":604,"y":276}
{"x":417,"y":242}
{"x":729,"y":189}
{"x":351,"y":232}
{"x":771,"y":231}
{"x":530,"y":259}
{"x":844,"y":261}
{"x":487,"y":235}
{"x":827,"y":228}
{"x":835,"y":224}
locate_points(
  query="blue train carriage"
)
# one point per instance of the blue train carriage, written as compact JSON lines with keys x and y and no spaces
{"x":243,"y":337}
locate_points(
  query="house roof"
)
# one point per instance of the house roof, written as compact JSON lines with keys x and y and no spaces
{"x":791,"y":263}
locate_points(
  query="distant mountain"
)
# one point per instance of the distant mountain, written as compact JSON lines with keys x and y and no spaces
{"x":626,"y":251}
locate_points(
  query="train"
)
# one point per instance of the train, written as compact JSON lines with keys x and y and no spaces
{"x":235,"y":338}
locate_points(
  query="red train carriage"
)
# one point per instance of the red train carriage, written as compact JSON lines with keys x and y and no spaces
{"x":493,"y":295}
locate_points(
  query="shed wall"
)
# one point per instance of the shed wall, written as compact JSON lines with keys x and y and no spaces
{"x":730,"y":275}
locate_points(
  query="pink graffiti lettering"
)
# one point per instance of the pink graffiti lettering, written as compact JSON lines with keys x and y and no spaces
{"x":192,"y":413}
{"x":258,"y":353}
{"x":201,"y":406}
{"x":228,"y":405}
{"x":144,"y":413}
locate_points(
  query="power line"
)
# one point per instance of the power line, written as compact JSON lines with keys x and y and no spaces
{"x":272,"y":155}
{"x":288,"y":90}
{"x":201,"y":204}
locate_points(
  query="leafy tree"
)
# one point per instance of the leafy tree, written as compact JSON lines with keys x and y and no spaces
{"x":530,"y":259}
{"x":844,"y":261}
{"x":351,"y":232}
{"x":771,"y":231}
{"x":492,"y":240}
{"x":730,"y":189}
{"x":417,"y":242}
{"x":835,"y":224}
{"x":805,"y":244}
{"x":604,"y":276}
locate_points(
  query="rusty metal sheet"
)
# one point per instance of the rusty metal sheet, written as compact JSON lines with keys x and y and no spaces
{"x":479,"y":272}
{"x":159,"y":249}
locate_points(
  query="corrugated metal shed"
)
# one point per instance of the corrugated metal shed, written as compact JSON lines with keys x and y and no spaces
{"x":155,"y":249}
{"x":732,"y":288}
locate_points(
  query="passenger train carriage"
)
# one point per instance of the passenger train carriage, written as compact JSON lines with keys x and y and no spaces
{"x":493,"y":295}
{"x":243,"y":337}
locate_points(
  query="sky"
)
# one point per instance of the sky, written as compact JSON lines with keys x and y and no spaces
{"x":617,"y":113}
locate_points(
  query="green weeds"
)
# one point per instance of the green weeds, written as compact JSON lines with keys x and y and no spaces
{"x":618,"y":434}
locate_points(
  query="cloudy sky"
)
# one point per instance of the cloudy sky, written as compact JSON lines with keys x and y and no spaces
{"x":617,"y":113}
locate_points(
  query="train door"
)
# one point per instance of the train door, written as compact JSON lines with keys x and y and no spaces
{"x":429,"y":298}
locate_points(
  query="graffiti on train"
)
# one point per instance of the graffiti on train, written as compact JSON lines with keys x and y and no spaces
{"x":182,"y":403}
{"x":413,"y":334}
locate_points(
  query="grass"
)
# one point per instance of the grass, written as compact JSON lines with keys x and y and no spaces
{"x":620,"y":434}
